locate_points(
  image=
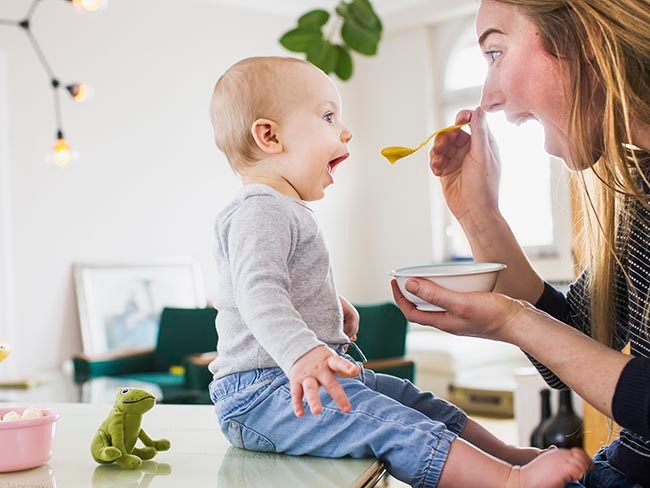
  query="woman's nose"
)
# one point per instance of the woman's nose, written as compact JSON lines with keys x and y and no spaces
{"x":492,"y":98}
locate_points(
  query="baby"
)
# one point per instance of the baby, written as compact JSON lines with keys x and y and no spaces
{"x":283,"y":329}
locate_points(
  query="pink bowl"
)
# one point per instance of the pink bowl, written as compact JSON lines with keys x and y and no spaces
{"x":26,"y":443}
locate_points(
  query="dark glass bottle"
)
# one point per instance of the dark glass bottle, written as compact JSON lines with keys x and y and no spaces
{"x":536,"y":439}
{"x":565,"y":428}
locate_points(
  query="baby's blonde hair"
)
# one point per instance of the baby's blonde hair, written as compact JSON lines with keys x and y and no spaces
{"x":247,"y":91}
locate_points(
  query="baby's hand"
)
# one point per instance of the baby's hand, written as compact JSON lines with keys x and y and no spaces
{"x":350,"y":319}
{"x":315,"y":369}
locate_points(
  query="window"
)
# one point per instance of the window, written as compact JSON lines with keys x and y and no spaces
{"x":534,"y":193}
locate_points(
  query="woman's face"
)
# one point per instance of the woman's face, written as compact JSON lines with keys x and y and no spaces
{"x":523,"y":80}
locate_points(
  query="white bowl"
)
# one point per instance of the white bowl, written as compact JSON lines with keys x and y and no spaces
{"x":455,"y":276}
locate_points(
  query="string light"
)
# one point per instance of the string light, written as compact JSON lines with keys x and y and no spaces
{"x":61,"y":151}
{"x":78,"y":91}
{"x":62,"y":154}
{"x":88,"y":5}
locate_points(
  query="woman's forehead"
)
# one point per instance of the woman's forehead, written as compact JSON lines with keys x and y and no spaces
{"x":495,"y":17}
{"x":492,"y":13}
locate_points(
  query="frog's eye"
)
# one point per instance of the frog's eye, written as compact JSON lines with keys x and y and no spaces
{"x":124,"y":391}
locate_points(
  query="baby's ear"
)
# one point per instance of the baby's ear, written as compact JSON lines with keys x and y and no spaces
{"x":265,"y":133}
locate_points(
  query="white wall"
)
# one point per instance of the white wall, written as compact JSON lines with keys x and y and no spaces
{"x":6,"y":292}
{"x":393,"y":211}
{"x":150,"y":180}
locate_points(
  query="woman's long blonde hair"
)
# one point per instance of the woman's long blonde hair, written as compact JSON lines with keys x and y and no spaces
{"x":606,"y":47}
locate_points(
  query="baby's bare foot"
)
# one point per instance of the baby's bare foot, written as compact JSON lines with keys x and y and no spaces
{"x":518,"y":456}
{"x":551,"y":469}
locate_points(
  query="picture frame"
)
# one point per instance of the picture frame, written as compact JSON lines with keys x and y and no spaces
{"x":119,"y":304}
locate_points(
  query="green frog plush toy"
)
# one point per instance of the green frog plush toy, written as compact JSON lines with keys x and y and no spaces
{"x":115,"y":440}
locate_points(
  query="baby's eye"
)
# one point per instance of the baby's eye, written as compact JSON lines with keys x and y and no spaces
{"x":329,"y":117}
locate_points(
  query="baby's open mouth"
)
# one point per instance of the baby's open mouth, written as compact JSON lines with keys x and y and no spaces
{"x":335,"y":162}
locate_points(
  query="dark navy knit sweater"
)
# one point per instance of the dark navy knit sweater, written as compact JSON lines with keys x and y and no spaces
{"x":631,"y":403}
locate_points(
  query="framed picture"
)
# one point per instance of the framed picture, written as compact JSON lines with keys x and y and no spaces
{"x":120,"y":304}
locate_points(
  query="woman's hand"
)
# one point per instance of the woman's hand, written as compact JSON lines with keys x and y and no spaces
{"x":589,"y":368}
{"x":468,"y":166}
{"x":478,"y":314}
{"x":469,"y":171}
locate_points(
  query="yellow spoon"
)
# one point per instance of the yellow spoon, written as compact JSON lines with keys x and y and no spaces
{"x":393,"y":153}
{"x":4,"y":350}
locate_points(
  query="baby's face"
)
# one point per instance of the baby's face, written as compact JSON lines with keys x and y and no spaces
{"x":312,"y":133}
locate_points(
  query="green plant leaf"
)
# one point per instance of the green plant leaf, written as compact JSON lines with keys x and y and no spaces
{"x":315,"y":18}
{"x":301,"y":39}
{"x":324,"y":55}
{"x":360,"y":31}
{"x":363,"y":13}
{"x":359,"y":39}
{"x":343,"y":67}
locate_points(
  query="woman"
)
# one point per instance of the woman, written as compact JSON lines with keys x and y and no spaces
{"x":581,"y":68}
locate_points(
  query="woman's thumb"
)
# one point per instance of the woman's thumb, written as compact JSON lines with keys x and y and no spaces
{"x":429,"y":292}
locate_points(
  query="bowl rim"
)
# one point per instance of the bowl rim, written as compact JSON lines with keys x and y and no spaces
{"x":49,"y":416}
{"x":472,"y":268}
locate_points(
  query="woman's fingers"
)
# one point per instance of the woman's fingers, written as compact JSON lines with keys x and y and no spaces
{"x":406,"y":306}
{"x":464,"y":116}
{"x":430,"y":292}
{"x":416,"y":316}
{"x":448,"y":152}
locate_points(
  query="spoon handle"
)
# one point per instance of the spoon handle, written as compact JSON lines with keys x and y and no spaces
{"x":439,"y":131}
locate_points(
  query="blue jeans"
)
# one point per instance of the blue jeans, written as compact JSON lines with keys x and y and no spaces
{"x":409,"y":430}
{"x":604,"y":475}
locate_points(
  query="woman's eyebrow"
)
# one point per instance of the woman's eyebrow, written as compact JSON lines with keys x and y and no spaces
{"x":485,"y":34}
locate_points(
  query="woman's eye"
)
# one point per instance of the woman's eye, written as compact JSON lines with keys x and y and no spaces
{"x":492,"y":56}
{"x":329,"y":117}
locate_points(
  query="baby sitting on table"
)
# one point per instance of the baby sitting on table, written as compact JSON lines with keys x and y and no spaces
{"x":283,"y":329}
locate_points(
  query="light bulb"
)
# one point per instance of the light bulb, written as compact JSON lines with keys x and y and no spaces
{"x":62,"y":153}
{"x":78,"y":91}
{"x":88,"y":5}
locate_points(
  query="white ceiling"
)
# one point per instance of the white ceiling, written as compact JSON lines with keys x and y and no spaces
{"x":385,"y":8}
{"x":297,"y":7}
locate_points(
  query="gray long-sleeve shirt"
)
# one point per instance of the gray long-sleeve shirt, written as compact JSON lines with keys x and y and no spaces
{"x":276,"y":295}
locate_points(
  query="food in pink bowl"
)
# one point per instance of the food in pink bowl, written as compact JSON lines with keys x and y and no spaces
{"x":26,"y":437}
